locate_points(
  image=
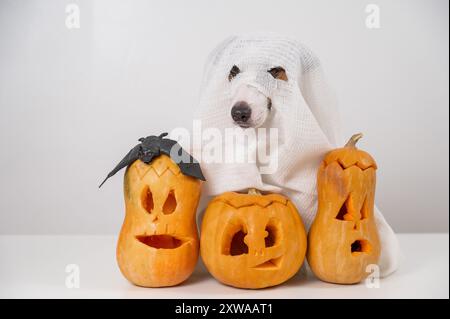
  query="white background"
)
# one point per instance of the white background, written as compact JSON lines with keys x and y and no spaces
{"x":74,"y":101}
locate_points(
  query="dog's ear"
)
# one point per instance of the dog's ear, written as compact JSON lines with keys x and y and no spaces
{"x":233,"y":72}
{"x":278,"y":73}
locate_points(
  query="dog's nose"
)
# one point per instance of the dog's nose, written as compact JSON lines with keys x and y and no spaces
{"x":241,"y":112}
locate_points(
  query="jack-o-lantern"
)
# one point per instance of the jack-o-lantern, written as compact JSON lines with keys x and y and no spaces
{"x":343,"y":239}
{"x":252,"y":240}
{"x":158,"y":243}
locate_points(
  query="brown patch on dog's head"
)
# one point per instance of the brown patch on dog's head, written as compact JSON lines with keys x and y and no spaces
{"x":278,"y":73}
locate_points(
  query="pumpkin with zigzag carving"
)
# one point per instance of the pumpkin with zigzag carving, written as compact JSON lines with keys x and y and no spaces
{"x":343,"y":239}
{"x":158,"y":243}
{"x":252,"y":240}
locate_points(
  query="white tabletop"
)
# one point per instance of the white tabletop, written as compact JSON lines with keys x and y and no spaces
{"x":35,"y":267}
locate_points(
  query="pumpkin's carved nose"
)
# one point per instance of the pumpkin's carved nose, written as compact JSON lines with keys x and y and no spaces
{"x":241,"y":112}
{"x":256,"y":243}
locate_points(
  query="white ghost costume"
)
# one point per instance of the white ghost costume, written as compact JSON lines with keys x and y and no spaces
{"x":304,"y":113}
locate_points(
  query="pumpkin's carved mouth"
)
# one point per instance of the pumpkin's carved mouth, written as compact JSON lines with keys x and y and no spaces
{"x":161,"y":241}
{"x":360,"y":246}
{"x":271,"y":263}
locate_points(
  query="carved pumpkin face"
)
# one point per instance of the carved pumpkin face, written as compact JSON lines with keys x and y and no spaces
{"x":343,"y":238}
{"x":158,"y":243}
{"x":252,"y":241}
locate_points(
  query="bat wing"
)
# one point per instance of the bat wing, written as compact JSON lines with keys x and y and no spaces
{"x":187,"y":164}
{"x":167,"y":145}
{"x":132,"y":156}
{"x":192,"y":169}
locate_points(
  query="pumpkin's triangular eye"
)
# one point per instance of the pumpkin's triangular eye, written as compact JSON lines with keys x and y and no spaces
{"x":170,"y":204}
{"x":343,"y":212}
{"x":346,"y":212}
{"x":364,"y":210}
{"x":147,"y":199}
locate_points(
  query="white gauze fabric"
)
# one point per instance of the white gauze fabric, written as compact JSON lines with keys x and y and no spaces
{"x":303,"y":112}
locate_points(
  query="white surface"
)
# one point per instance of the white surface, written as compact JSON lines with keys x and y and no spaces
{"x":77,"y":99}
{"x":34,"y":267}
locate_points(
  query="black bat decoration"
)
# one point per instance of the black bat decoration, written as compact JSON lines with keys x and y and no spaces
{"x":153,"y":146}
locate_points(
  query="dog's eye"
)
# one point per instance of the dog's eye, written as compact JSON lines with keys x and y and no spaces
{"x":233,"y":72}
{"x":278,"y":73}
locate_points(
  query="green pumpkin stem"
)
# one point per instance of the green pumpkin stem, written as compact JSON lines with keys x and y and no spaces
{"x":253,"y":191}
{"x":353,"y":140}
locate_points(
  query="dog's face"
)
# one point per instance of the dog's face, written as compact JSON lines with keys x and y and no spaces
{"x":250,"y":107}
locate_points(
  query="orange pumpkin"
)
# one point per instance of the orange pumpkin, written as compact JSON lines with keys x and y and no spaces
{"x":158,"y":243}
{"x":252,"y":240}
{"x":343,"y":239}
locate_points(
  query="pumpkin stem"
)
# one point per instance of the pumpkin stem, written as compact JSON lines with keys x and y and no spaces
{"x":253,"y":191}
{"x":353,"y":140}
